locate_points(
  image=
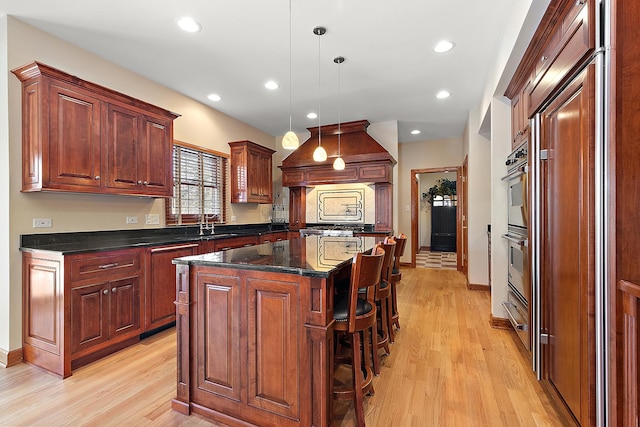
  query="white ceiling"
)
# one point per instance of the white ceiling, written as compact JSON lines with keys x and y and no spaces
{"x":390,"y":72}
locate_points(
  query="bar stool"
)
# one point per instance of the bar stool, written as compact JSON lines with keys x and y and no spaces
{"x":383,"y":300}
{"x":355,"y":313}
{"x":396,"y":276}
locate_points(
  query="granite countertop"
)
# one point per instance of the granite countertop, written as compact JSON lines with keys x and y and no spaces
{"x":316,"y":256}
{"x":91,"y":241}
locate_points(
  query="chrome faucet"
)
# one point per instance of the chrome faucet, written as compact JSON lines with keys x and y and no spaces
{"x":206,"y":225}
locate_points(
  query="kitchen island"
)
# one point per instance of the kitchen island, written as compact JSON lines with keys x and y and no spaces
{"x":255,"y":331}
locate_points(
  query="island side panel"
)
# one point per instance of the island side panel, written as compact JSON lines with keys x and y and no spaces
{"x":266,"y":316}
{"x":182,"y":400}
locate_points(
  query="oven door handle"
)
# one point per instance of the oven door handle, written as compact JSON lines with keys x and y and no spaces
{"x":516,"y":173}
{"x":516,"y":240}
{"x":517,"y":326}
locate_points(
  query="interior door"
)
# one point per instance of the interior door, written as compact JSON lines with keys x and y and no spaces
{"x":567,"y":289}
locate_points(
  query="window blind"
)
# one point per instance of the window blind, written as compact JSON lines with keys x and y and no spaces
{"x":198,"y":187}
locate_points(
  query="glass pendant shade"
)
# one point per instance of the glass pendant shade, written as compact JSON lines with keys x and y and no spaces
{"x":290,"y":141}
{"x":338,"y":164}
{"x":320,"y":154}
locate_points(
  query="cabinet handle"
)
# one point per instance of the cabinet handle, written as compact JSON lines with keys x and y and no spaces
{"x":97,"y":178}
{"x":139,"y":182}
{"x":248,"y":244}
{"x":145,"y":183}
{"x":114,"y":290}
{"x":106,"y":291}
{"x":544,"y":58}
{"x":580,"y":2}
{"x":105,"y":266}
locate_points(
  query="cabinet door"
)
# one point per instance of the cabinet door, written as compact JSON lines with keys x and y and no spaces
{"x":89,"y":316}
{"x":384,"y":208}
{"x":154,"y":157}
{"x":160,"y":291}
{"x":124,"y":307}
{"x":568,"y":270}
{"x":238,"y":160}
{"x":297,"y":208}
{"x":74,"y":140}
{"x":122,"y":133}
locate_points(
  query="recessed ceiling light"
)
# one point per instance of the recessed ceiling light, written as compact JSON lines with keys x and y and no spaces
{"x":415,"y":132}
{"x":443,"y":94}
{"x":188,"y":24}
{"x":312,"y":116}
{"x":443,"y":46}
{"x":271,"y":85}
{"x":214,"y":97}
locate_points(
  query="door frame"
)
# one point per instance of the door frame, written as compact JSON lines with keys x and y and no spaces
{"x":415,"y":206}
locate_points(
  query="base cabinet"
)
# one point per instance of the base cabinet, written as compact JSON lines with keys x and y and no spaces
{"x":160,"y":284}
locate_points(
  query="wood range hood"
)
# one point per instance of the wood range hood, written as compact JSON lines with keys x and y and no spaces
{"x":367,"y":162}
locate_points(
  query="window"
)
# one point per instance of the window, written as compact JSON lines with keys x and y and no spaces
{"x":199,"y":186}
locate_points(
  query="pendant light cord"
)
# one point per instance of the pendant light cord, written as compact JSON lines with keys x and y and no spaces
{"x":339,"y":103}
{"x":319,"y":125}
{"x":290,"y":69}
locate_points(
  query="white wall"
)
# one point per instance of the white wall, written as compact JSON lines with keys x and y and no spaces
{"x":479,"y":198}
{"x":198,"y":124}
{"x":8,"y":299}
{"x":500,"y":148}
{"x":421,"y":155}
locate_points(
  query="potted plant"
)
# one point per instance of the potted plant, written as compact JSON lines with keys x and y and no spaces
{"x":443,"y":187}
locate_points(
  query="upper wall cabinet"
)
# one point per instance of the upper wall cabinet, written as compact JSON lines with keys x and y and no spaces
{"x":251,"y":175}
{"x":81,"y":137}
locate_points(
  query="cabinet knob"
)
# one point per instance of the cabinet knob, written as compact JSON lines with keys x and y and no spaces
{"x":544,"y":58}
{"x":145,"y":183}
{"x":114,"y":290}
{"x":97,"y":178}
{"x":580,"y":2}
{"x":139,"y":182}
{"x":106,"y":291}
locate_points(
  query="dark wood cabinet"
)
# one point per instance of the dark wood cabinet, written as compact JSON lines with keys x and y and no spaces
{"x":82,"y":137}
{"x":136,"y":161}
{"x":79,"y":307}
{"x":568,"y":288}
{"x":160,"y":283}
{"x":297,"y":208}
{"x":251,"y":173}
{"x":384,"y":207}
{"x":520,"y":116}
{"x":235,"y":242}
{"x":273,"y":237}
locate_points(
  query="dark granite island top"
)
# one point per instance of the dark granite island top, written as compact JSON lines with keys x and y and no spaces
{"x":315,"y":256}
{"x":255,"y":331}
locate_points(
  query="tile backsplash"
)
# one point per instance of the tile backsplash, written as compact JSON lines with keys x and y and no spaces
{"x":344,"y":203}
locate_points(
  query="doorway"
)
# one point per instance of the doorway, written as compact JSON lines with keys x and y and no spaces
{"x":417,"y":205}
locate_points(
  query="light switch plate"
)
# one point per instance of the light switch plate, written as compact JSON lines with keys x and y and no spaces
{"x":132,"y":220}
{"x":152,"y":219}
{"x":41,"y":222}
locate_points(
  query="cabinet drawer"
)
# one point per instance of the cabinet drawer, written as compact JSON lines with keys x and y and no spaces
{"x":235,"y":242}
{"x":108,"y":265}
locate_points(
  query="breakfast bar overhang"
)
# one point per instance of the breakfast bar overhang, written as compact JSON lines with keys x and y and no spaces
{"x":255,"y":331}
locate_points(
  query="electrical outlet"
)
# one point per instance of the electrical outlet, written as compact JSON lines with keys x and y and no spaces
{"x":41,"y":222}
{"x":233,"y":218}
{"x":152,"y":219}
{"x":132,"y":220}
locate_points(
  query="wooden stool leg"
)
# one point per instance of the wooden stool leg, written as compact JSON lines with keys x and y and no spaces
{"x":384,"y":324}
{"x":358,"y":379}
{"x":395,"y":316}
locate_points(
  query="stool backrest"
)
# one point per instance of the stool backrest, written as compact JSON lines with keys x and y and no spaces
{"x":365,"y":273}
{"x":389,"y":246}
{"x":401,"y":242}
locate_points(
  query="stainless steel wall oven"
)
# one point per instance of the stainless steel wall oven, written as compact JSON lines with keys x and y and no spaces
{"x":519,"y":293}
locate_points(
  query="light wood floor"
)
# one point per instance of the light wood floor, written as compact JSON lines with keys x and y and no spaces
{"x":447,"y":368}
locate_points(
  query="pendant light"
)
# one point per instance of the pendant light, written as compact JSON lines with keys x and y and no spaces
{"x":320,"y":154}
{"x":338,"y":163}
{"x":290,"y":140}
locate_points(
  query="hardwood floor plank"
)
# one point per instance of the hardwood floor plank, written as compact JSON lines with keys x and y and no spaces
{"x":447,"y":367}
